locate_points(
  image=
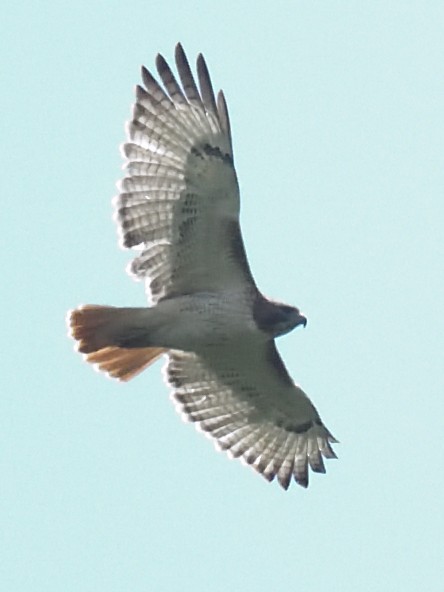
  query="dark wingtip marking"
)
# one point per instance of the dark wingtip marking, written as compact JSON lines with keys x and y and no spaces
{"x":161,"y":64}
{"x":224,"y":118}
{"x":302,"y":480}
{"x":206,"y":88}
{"x":179,"y":53}
{"x":146,"y":75}
{"x":284,"y":481}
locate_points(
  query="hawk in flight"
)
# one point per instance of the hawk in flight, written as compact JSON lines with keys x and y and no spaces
{"x":178,"y":206}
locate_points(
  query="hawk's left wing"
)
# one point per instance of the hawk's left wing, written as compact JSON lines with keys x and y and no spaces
{"x":179,"y":200}
{"x":244,"y":398}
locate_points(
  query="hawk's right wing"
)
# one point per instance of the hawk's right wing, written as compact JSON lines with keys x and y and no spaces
{"x":243,"y":397}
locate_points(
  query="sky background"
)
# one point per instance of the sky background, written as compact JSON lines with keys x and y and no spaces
{"x":338,"y":124}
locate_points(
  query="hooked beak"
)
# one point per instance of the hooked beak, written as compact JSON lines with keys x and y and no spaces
{"x":302,"y":320}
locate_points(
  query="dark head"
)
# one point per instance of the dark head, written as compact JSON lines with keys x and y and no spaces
{"x":275,"y":318}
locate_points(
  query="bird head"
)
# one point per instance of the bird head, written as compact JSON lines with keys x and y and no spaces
{"x":275,"y":318}
{"x":290,"y":317}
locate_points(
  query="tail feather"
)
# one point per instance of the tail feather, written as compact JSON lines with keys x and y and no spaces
{"x":93,"y":326}
{"x":100,"y":332}
{"x":123,"y":363}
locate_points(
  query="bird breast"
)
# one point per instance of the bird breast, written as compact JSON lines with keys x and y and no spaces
{"x":195,"y":322}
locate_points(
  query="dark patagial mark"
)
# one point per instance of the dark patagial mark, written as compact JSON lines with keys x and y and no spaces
{"x":237,"y":250}
{"x":276,"y":362}
{"x":217,"y":153}
{"x":189,"y":205}
{"x":186,"y":228}
{"x":294,"y":428}
{"x":212,"y":151}
{"x":298,"y":429}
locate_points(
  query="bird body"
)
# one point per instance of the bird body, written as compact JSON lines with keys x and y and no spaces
{"x":178,"y":206}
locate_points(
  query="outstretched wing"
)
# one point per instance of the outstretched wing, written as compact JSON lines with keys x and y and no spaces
{"x":244,"y":398}
{"x":179,"y":203}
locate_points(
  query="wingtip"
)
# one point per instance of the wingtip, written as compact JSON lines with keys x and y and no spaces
{"x":200,"y":60}
{"x":161,"y":63}
{"x":302,"y":481}
{"x":145,"y":74}
{"x":284,"y":481}
{"x":179,"y":51}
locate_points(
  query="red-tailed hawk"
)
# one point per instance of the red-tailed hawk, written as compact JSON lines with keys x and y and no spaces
{"x":179,"y":207}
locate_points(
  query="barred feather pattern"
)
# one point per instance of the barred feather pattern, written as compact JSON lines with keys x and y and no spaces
{"x":179,"y":201}
{"x":251,"y":411}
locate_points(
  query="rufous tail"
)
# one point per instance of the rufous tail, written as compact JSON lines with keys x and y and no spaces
{"x":97,"y":329}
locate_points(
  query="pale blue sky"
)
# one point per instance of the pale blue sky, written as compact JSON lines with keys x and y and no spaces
{"x":338,"y":124}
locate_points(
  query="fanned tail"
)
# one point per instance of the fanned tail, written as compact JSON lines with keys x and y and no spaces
{"x":102,"y":332}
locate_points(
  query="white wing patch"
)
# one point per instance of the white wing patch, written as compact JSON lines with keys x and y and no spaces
{"x":252,"y":412}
